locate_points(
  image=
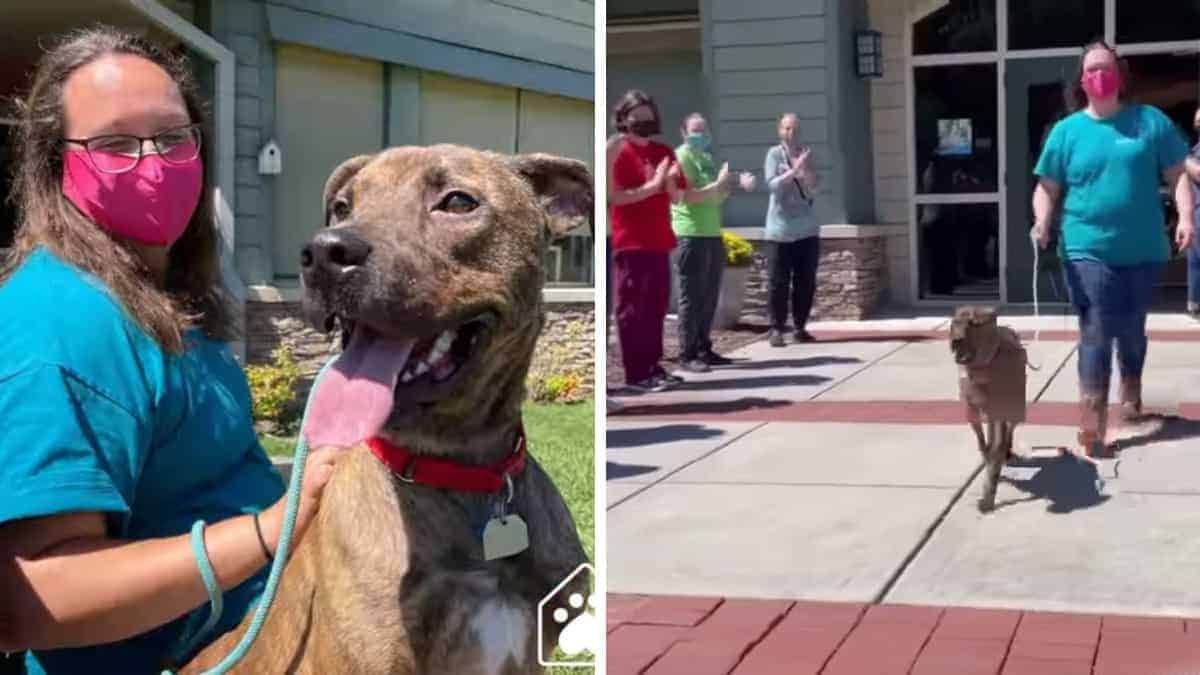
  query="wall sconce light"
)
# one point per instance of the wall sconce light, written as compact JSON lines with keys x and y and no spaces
{"x":868,"y":45}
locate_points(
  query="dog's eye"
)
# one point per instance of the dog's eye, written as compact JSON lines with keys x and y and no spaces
{"x":341,"y":209}
{"x":458,"y":203}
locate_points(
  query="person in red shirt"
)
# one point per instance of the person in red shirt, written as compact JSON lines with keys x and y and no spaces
{"x":643,"y":180}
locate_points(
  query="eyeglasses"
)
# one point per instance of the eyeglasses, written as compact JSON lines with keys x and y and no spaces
{"x":118,"y":153}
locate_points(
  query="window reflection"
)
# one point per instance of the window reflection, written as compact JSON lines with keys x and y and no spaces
{"x":569,"y":261}
{"x":1139,"y":21}
{"x":959,"y":26}
{"x":955,"y":111}
{"x":1045,"y":24}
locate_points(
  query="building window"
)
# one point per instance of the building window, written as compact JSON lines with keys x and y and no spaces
{"x":959,"y":255}
{"x":1157,"y":21}
{"x":1048,"y":24}
{"x":959,"y":26}
{"x":570,"y":260}
{"x":956,"y":117}
{"x":8,"y":211}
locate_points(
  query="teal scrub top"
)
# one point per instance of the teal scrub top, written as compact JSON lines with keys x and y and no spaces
{"x":1110,"y":171}
{"x":94,"y":416}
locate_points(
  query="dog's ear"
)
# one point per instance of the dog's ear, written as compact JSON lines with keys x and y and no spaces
{"x":340,"y":176}
{"x":563,"y":186}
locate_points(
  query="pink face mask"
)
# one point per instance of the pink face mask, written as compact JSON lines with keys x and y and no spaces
{"x":1101,"y":85}
{"x":151,"y":203}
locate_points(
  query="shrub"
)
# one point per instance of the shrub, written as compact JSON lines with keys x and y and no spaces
{"x":738,"y":251}
{"x":273,"y":388}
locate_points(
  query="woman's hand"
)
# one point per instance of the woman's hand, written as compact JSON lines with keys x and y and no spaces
{"x":659,"y":180}
{"x":747,"y":181}
{"x":79,"y":587}
{"x":1040,"y":234}
{"x":1185,"y":234}
{"x":317,"y":470}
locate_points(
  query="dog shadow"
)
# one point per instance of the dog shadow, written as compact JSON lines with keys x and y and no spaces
{"x":1066,"y":482}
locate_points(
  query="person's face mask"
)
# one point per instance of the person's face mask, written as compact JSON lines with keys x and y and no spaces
{"x":643,"y":128}
{"x":699,"y":141}
{"x":151,"y":203}
{"x":1101,"y":85}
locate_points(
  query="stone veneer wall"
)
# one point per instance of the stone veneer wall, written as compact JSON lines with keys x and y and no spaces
{"x":851,"y":280}
{"x":570,"y":326}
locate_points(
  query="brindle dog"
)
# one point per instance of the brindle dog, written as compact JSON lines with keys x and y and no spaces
{"x":430,"y":245}
{"x":992,"y":386}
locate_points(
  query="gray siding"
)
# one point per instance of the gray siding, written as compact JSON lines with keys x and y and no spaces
{"x":532,"y":42}
{"x":242,"y":26}
{"x":767,"y":57}
{"x":850,"y":116}
{"x":764,"y":58}
{"x":673,"y":79}
{"x":554,"y":32}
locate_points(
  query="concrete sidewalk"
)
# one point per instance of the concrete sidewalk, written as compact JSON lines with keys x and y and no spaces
{"x":842,"y":471}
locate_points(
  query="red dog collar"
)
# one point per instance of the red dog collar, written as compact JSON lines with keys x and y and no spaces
{"x":446,"y":474}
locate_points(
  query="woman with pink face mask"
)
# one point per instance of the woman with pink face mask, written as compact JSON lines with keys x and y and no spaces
{"x":1103,"y":165}
{"x":125,"y":417}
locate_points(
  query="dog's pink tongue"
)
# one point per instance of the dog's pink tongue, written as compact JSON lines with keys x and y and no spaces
{"x":354,"y":397}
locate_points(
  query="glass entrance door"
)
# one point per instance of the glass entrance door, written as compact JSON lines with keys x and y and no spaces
{"x":1034,"y":101}
{"x":958,"y":186}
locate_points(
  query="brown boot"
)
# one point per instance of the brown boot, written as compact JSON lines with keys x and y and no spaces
{"x":1131,"y":399}
{"x":1093,"y":424}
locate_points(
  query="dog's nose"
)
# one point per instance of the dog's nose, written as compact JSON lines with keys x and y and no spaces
{"x":335,"y":249}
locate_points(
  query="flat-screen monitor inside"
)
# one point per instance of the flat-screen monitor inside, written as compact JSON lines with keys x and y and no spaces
{"x":955,"y":138}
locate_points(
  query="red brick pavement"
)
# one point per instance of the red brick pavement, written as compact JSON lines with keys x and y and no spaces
{"x":667,"y":635}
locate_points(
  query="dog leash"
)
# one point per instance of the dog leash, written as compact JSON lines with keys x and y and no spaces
{"x":216,"y":596}
{"x":1037,"y":324}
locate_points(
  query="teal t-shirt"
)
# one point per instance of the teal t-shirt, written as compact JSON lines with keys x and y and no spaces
{"x":1110,"y":171}
{"x":94,"y":416}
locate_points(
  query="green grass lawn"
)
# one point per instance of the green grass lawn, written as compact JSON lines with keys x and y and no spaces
{"x":562,"y":438}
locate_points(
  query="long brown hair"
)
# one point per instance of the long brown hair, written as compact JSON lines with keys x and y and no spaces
{"x":634,"y":98}
{"x":1076,"y":97}
{"x":193,"y":294}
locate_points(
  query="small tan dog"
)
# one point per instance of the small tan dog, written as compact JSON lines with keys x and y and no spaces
{"x":433,"y":265}
{"x":991,"y":385}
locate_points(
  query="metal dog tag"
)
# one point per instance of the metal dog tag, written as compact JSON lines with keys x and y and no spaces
{"x":504,"y":537}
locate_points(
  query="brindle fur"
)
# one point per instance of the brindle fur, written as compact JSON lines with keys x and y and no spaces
{"x":391,"y":575}
{"x":974,"y":339}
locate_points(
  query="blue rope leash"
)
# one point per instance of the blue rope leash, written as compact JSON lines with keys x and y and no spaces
{"x":215,"y":595}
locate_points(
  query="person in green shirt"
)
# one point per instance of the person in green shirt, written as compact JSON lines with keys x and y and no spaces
{"x":1104,"y":164}
{"x":701,"y":257}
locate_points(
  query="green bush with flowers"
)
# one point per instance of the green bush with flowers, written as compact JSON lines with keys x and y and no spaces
{"x":738,"y":251}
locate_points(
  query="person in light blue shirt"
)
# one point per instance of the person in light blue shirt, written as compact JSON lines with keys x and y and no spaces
{"x":1104,"y":164}
{"x":124,"y":416}
{"x":793,"y":234}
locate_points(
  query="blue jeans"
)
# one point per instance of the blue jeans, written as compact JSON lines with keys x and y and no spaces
{"x":1194,"y":274}
{"x":1112,"y":303}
